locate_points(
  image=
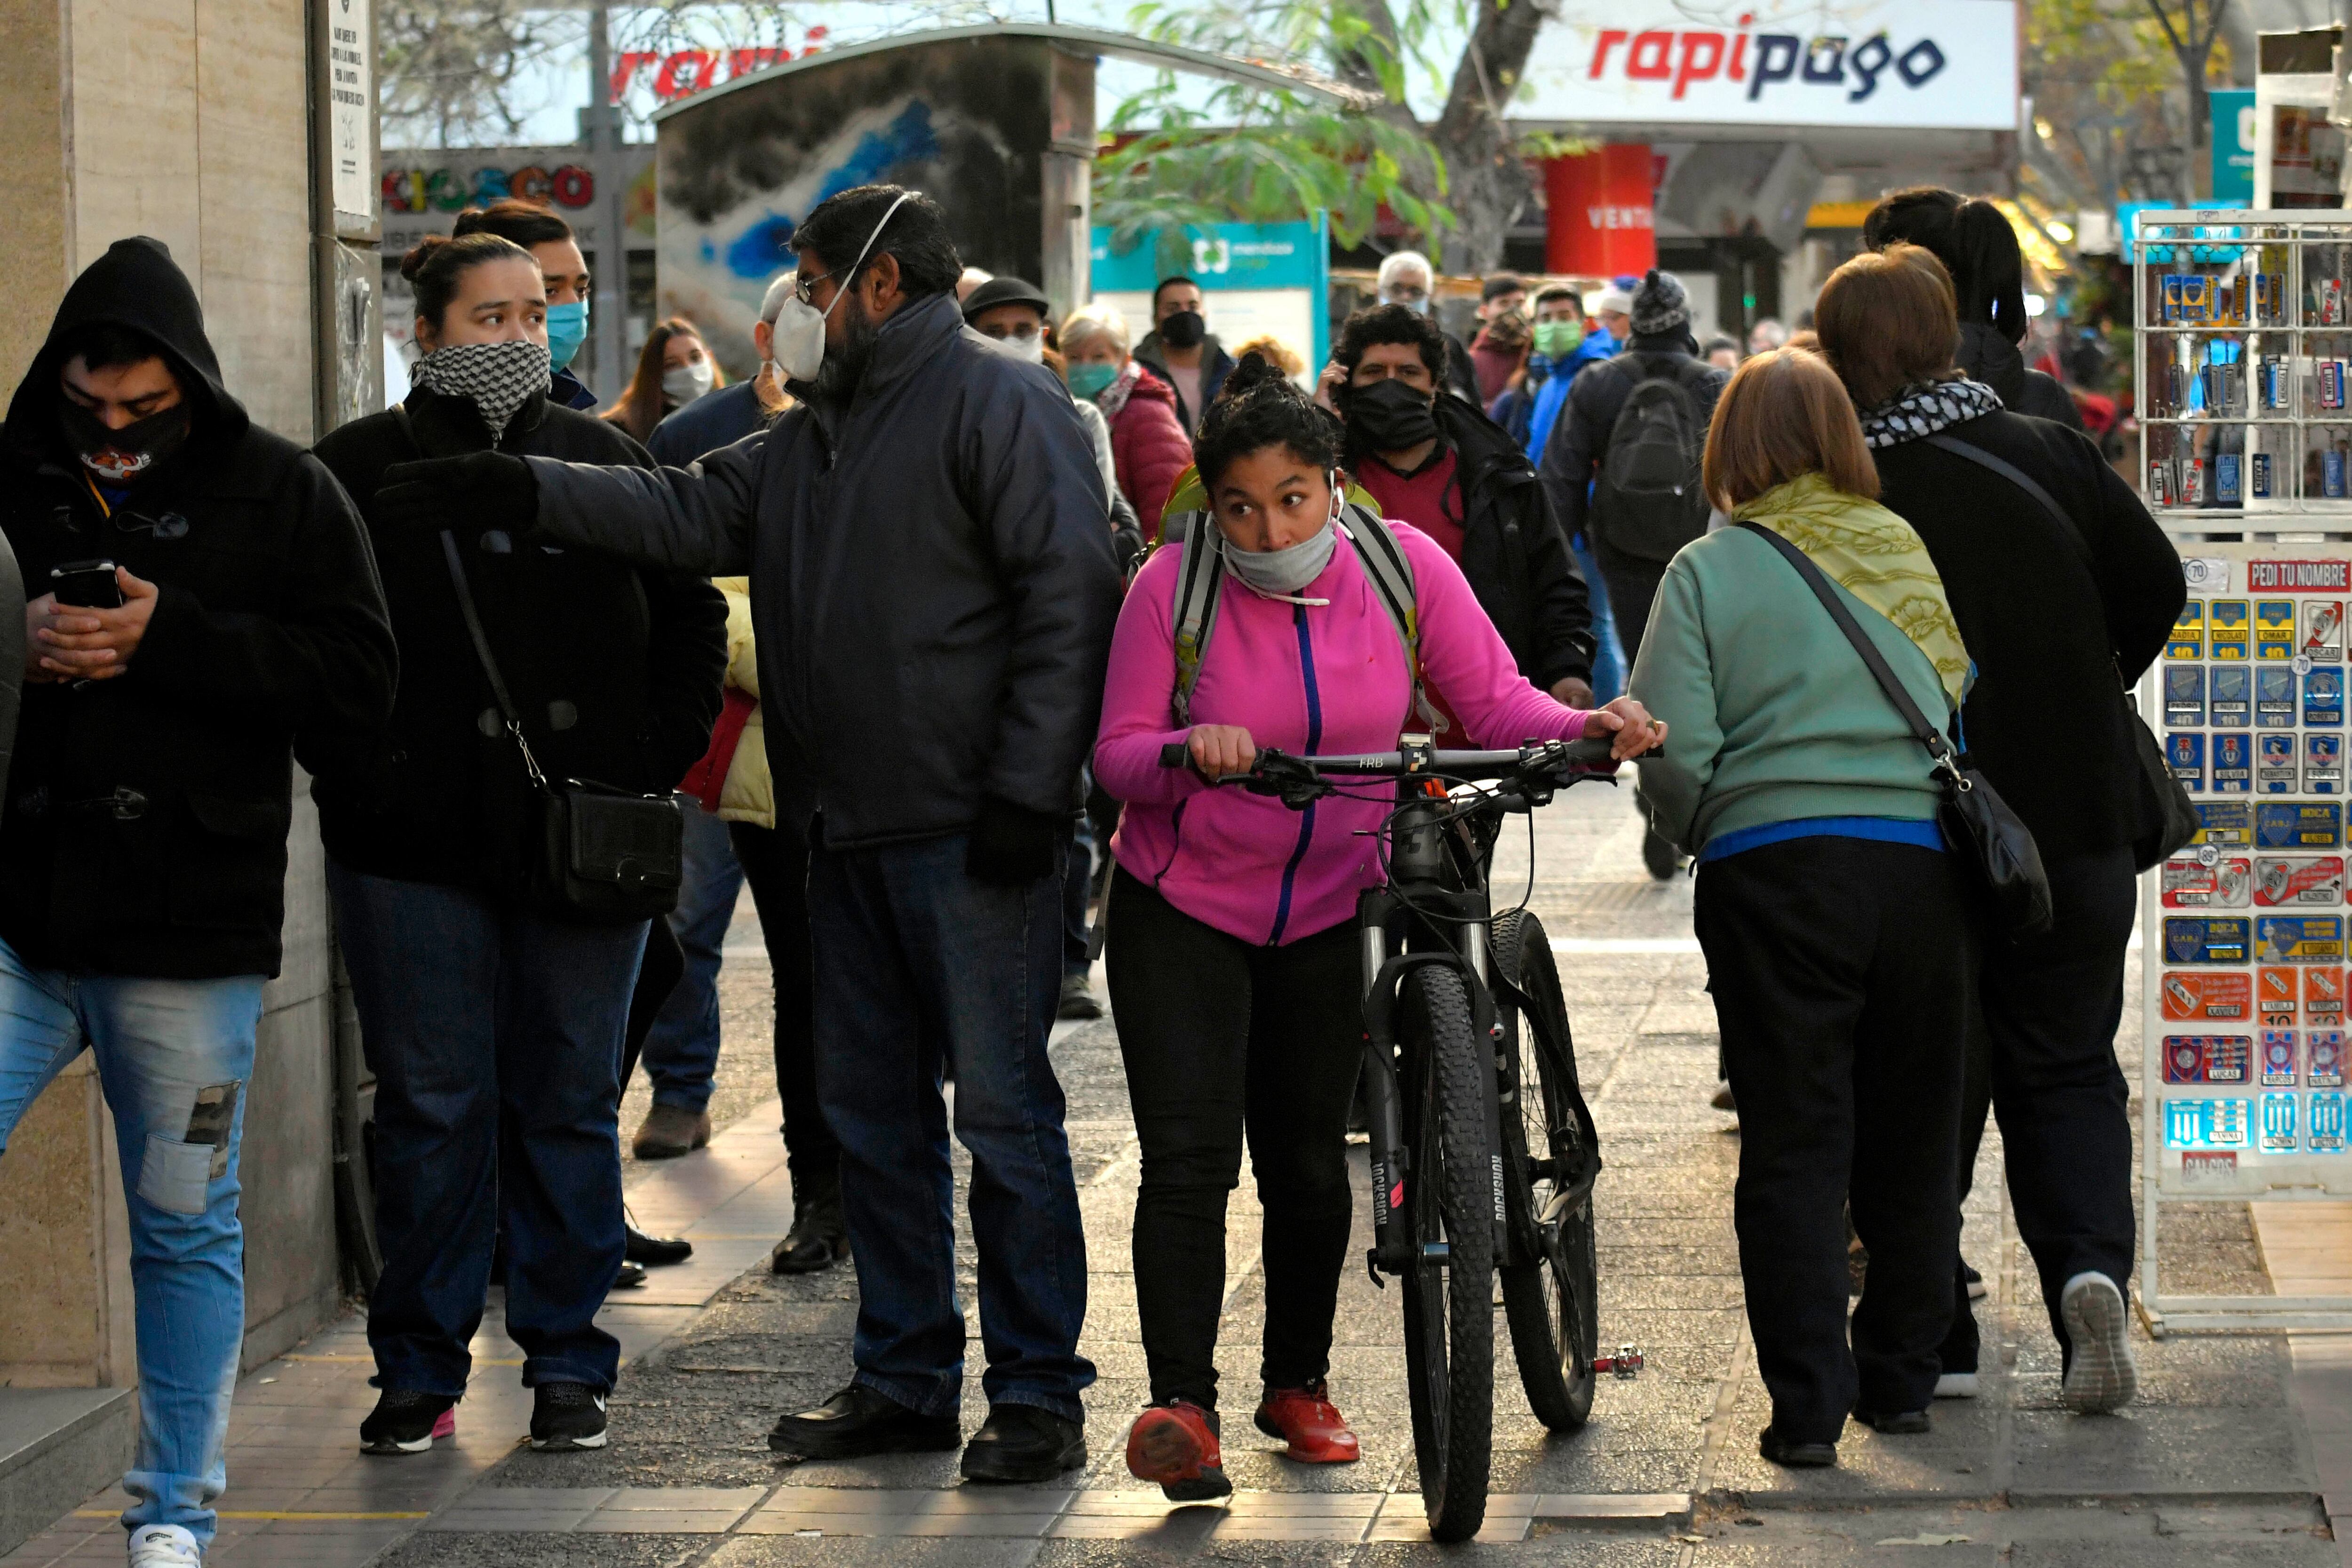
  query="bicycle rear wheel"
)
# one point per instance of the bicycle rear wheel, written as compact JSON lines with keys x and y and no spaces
{"x":1449,"y":1315}
{"x":1552,"y":1300}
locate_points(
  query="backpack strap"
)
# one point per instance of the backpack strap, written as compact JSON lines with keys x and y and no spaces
{"x":1200,"y":573}
{"x":1390,"y":575}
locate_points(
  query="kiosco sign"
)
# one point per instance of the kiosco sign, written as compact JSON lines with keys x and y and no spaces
{"x":1928,"y":64}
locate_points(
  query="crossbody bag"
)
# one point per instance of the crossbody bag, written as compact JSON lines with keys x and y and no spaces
{"x":2160,"y":788}
{"x":1976,"y":821}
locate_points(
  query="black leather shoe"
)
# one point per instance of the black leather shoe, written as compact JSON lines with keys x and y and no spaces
{"x":1022,"y":1443}
{"x":1795,"y":1455}
{"x":1896,"y":1422}
{"x":857,"y":1422}
{"x":818,"y":1238}
{"x":631,"y":1276}
{"x":656,"y":1250}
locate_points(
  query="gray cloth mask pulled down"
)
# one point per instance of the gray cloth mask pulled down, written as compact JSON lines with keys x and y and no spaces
{"x":497,"y":378}
{"x":1284,"y":572}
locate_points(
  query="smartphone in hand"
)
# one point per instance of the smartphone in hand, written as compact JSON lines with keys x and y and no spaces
{"x":86,"y":585}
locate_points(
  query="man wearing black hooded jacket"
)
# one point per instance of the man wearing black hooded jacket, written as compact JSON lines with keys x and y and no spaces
{"x":142,"y":840}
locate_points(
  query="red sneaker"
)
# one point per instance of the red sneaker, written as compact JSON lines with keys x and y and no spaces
{"x":446,"y":1426}
{"x":1308,"y":1420}
{"x":1175,"y":1445}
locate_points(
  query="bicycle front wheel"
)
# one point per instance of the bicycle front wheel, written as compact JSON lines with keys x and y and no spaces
{"x":1449,"y":1315}
{"x":1552,"y":1297}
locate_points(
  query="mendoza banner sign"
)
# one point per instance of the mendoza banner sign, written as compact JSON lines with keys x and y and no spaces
{"x":1867,"y":64}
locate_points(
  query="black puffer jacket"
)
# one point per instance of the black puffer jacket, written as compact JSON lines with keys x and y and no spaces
{"x":932,"y":583}
{"x":1992,"y":359}
{"x":615,"y":669}
{"x":146,"y":819}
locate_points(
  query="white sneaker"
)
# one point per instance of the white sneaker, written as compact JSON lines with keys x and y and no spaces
{"x":1957,"y":1386}
{"x":164,"y":1546}
{"x":2102,"y":1377}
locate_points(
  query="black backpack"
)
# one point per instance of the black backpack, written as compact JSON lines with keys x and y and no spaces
{"x":1649,"y":502}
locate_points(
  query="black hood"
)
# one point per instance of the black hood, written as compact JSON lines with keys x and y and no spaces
{"x":135,"y":284}
{"x":1988,"y":357}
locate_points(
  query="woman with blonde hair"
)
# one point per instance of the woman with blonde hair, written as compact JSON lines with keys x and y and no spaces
{"x":1833,"y":916}
{"x":675,"y":367}
{"x":1147,"y":444}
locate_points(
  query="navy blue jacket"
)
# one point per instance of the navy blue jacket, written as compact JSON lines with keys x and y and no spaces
{"x":714,"y":419}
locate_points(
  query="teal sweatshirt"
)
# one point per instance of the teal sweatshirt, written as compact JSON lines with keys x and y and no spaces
{"x":1771,"y":715}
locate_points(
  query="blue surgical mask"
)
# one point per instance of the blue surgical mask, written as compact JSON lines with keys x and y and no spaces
{"x":1088,"y":378}
{"x":567,"y":328}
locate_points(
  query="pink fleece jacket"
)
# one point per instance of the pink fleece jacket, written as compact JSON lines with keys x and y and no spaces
{"x":1312,"y":680}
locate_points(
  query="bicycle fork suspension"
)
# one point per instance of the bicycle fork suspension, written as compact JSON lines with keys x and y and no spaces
{"x":1392,"y":1242}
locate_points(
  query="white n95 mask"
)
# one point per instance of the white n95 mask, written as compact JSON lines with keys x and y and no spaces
{"x":798,"y":337}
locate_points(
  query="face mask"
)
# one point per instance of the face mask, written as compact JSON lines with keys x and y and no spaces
{"x":567,"y":328}
{"x":1184,"y":330}
{"x":120,"y":456}
{"x":497,"y":378}
{"x":682,"y":384}
{"x":1029,"y":350}
{"x":1389,"y":416}
{"x":1418,"y":307}
{"x":1087,"y":379}
{"x":800,"y":326}
{"x":1283,"y":572}
{"x":1557,"y":340}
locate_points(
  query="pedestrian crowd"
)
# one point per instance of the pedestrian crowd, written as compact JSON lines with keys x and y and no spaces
{"x":898,"y":633}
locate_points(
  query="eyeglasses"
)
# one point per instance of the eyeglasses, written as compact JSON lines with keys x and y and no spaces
{"x":802,"y":281}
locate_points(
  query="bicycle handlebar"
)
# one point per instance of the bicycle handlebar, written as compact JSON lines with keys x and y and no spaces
{"x":1589,"y":754}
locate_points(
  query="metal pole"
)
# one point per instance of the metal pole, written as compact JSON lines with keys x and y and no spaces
{"x":602,"y":123}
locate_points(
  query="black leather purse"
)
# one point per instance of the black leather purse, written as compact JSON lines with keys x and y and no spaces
{"x":2160,"y":789}
{"x":604,"y":855}
{"x":1976,"y":820}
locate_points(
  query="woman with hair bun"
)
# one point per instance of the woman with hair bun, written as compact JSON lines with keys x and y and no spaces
{"x":1233,"y":946}
{"x":493,"y":1026}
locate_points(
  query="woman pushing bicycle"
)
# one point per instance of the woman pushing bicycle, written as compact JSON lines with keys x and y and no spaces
{"x":1310,"y":626}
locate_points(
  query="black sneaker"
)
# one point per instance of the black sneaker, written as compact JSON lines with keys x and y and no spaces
{"x":405,"y":1421}
{"x":1022,"y":1443}
{"x":1896,"y":1422}
{"x":1795,"y":1455}
{"x":857,"y":1422}
{"x":566,"y":1416}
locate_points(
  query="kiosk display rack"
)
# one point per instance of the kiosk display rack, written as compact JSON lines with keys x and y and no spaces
{"x":2243,"y":329}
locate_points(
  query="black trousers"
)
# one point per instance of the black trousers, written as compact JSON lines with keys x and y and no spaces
{"x":775,"y":863}
{"x":2050,"y":1008}
{"x":1222,"y":1037}
{"x":1632,"y":588}
{"x":1841,"y":969}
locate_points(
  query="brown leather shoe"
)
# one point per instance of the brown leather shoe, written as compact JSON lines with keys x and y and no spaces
{"x":669,"y":1131}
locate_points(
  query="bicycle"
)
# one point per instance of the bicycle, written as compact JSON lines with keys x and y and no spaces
{"x":1482,"y":1155}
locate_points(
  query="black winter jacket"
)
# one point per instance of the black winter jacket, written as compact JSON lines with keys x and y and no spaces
{"x":2048,"y":629}
{"x":1515,"y":556}
{"x":146,"y":820}
{"x":615,"y":669}
{"x":932,"y":583}
{"x":1992,"y":359}
{"x":1574,"y":454}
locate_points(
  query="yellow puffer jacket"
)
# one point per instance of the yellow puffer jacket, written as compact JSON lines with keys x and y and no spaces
{"x":748,"y":795}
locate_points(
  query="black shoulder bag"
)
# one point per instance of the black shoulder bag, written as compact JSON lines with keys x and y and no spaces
{"x":2176,"y":815}
{"x":604,"y":855}
{"x":1975,"y":818}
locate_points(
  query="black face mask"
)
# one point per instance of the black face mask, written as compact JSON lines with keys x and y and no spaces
{"x":122,"y":457}
{"x":1389,"y":416}
{"x":1184,"y":330}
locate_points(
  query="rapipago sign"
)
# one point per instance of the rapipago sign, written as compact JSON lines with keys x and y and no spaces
{"x":1867,"y":64}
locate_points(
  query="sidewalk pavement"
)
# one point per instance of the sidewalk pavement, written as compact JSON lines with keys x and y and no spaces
{"x":2223,"y":1461}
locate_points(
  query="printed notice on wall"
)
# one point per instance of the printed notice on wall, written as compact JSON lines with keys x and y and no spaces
{"x":351,"y":117}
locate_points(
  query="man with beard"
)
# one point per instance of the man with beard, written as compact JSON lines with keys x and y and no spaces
{"x":933,"y":591}
{"x":1440,"y":464}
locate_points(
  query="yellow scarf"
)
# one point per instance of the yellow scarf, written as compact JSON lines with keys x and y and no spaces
{"x":1875,"y":556}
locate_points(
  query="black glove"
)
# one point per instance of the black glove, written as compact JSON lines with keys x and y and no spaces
{"x":1011,"y":845}
{"x":481,"y":490}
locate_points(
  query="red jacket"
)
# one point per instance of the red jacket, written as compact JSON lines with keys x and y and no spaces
{"x":1149,"y":448}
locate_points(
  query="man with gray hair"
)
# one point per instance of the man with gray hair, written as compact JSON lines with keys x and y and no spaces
{"x":1407,"y":278}
{"x":725,"y":416}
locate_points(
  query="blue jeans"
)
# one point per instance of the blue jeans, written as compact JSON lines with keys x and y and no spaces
{"x":495,"y":1035}
{"x":173,"y":1059}
{"x":920,"y":968}
{"x":681,"y":1050}
{"x":1609,"y":670}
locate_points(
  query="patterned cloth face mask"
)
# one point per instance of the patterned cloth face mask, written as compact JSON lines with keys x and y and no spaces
{"x":497,"y":378}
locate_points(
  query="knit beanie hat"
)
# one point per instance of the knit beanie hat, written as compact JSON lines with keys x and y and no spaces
{"x":1660,"y":305}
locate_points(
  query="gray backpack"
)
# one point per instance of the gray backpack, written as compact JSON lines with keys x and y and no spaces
{"x":1649,"y":502}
